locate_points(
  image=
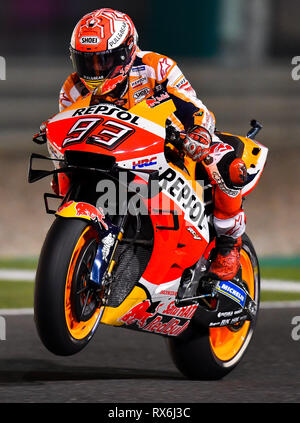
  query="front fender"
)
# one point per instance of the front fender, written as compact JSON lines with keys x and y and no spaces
{"x":83,"y":210}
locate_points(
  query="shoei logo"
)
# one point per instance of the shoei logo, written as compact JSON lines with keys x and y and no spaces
{"x":232,"y":291}
{"x":2,"y":69}
{"x":89,"y":40}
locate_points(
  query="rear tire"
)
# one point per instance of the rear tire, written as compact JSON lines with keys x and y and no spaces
{"x":211,"y":353}
{"x":64,"y":325}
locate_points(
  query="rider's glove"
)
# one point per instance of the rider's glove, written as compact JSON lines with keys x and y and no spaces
{"x":196,"y":143}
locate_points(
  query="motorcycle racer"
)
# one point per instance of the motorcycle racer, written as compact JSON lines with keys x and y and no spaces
{"x":108,"y":62}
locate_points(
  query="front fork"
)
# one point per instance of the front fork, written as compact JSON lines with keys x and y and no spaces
{"x":104,"y":263}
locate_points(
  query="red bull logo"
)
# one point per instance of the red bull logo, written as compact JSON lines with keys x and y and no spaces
{"x":85,"y":209}
{"x":172,"y":327}
{"x":137,"y":314}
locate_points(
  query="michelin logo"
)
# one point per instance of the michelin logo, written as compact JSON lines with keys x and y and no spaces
{"x":232,"y":291}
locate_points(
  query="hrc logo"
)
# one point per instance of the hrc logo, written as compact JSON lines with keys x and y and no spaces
{"x":144,"y":163}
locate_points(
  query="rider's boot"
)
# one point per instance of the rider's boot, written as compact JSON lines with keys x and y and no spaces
{"x":226,"y":260}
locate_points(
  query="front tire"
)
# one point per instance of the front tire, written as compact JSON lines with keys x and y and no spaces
{"x":211,"y":353}
{"x":65,"y":311}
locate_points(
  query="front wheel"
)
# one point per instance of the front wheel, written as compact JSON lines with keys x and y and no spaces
{"x":213,"y":352}
{"x":66,"y":309}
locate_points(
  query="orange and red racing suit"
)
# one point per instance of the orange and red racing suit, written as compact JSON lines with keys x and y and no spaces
{"x":152,"y":72}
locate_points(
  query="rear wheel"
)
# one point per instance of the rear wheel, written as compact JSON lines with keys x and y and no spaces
{"x":213,"y":352}
{"x":66,"y":307}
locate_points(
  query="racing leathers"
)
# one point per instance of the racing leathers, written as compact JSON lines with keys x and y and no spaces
{"x":155,"y":74}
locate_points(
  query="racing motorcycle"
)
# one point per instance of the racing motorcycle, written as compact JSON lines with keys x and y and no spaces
{"x":132,"y":239}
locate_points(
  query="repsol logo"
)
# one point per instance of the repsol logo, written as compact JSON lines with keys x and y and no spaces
{"x":89,"y":40}
{"x":107,"y":111}
{"x":183,"y":194}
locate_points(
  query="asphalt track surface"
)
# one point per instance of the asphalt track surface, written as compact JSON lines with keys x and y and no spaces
{"x":123,"y":366}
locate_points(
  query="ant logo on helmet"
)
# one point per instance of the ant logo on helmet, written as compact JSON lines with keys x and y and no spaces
{"x":93,"y":22}
{"x":91,"y":32}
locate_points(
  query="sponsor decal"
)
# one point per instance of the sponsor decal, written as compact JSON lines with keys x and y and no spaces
{"x":220,"y":181}
{"x":141,"y":94}
{"x":238,"y":224}
{"x":184,"y":195}
{"x":139,"y":82}
{"x":138,"y":68}
{"x":137,"y":314}
{"x":164,"y":292}
{"x":225,"y":314}
{"x":183,"y":84}
{"x":85,"y":209}
{"x":156,"y":100}
{"x":161,"y":322}
{"x":107,"y":242}
{"x":107,"y":110}
{"x":182,"y":312}
{"x":144,"y":163}
{"x":232,"y":291}
{"x":171,"y":328}
{"x":118,"y":38}
{"x":230,"y":321}
{"x":89,"y":40}
{"x":194,"y":233}
{"x":164,"y":67}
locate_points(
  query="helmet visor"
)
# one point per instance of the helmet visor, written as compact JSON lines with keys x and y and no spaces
{"x":98,"y":65}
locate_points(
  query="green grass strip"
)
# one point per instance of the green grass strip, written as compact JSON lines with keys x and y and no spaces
{"x":283,"y":273}
{"x":16,"y":294}
{"x":279,"y":296}
{"x":280,"y":261}
{"x":26,"y":263}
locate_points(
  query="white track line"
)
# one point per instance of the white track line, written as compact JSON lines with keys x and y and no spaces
{"x":16,"y":312}
{"x":17,"y":275}
{"x":279,"y":285}
{"x":279,"y":304}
